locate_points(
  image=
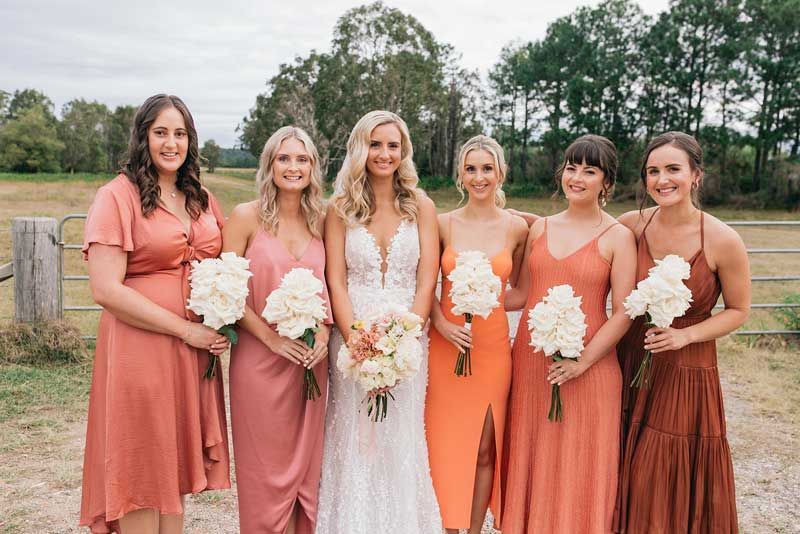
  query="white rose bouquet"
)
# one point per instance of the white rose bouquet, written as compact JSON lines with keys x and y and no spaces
{"x":218,"y":293}
{"x":379,"y":354}
{"x":297,"y":309}
{"x":474,"y":291}
{"x":557,"y":325}
{"x":661,"y":297}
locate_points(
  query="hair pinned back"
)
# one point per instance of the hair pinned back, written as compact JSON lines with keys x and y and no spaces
{"x":484,"y":142}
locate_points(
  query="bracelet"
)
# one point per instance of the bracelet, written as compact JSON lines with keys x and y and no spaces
{"x":185,"y":337}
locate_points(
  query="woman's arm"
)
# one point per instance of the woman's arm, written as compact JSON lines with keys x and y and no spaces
{"x":518,"y":294}
{"x":336,"y":273}
{"x":529,"y":218}
{"x":237,"y":233}
{"x":623,"y":281}
{"x":459,"y":336}
{"x":733,"y":268}
{"x":107,"y":267}
{"x":428,"y":268}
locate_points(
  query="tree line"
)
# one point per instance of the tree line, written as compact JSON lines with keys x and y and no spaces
{"x":726,"y":71}
{"x":89,"y":136}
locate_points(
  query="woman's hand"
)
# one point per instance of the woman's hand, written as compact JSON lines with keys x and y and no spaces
{"x":293,"y":350}
{"x":320,"y":350}
{"x":664,"y":339}
{"x":201,"y":336}
{"x":564,"y":370}
{"x":457,"y":335}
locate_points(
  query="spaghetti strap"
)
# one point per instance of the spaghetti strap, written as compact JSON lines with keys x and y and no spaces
{"x":649,"y":221}
{"x":702,"y":232}
{"x":450,"y":229}
{"x":508,"y":231}
{"x":606,"y":230}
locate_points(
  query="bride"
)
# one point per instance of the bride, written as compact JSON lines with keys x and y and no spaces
{"x":381,"y":241}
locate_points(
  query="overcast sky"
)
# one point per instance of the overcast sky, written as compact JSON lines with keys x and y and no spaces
{"x":217,"y":55}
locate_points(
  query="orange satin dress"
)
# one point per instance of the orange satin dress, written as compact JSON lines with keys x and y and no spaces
{"x":561,"y":477}
{"x":156,"y":428}
{"x":677,"y":471}
{"x":456,"y":406}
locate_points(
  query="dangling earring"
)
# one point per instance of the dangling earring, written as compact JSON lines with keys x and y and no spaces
{"x":695,"y":185}
{"x":603,"y":201}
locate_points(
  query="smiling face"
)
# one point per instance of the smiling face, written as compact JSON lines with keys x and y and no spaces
{"x":168,"y":142}
{"x":582,"y":183}
{"x":385,"y":151}
{"x":480,"y":175}
{"x":670,"y":176}
{"x":291,"y":167}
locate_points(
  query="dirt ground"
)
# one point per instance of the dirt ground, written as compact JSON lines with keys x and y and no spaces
{"x":40,"y":476}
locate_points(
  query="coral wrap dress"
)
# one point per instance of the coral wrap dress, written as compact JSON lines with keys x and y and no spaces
{"x":456,"y":406}
{"x":561,"y":477}
{"x":277,"y":434}
{"x":677,"y":472}
{"x":156,"y":428}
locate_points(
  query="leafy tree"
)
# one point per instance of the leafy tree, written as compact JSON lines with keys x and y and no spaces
{"x":27,"y":99}
{"x":5,"y":98}
{"x":29,"y":143}
{"x":83,"y":130}
{"x":211,"y":153}
{"x":118,"y":133}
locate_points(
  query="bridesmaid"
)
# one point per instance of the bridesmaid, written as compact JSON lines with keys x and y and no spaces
{"x":562,"y":476}
{"x":677,"y":474}
{"x":156,"y":428}
{"x":277,"y":434}
{"x":465,"y":450}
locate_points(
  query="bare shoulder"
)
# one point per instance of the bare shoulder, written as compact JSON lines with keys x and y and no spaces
{"x":426,"y":206}
{"x":245,"y":213}
{"x":519,"y":228}
{"x":537,"y":228}
{"x":636,"y":219}
{"x":719,"y":236}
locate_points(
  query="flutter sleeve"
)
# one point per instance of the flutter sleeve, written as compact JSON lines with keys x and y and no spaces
{"x":109,"y":222}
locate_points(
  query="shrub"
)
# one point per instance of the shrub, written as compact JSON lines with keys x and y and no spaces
{"x":789,"y":317}
{"x":41,"y":343}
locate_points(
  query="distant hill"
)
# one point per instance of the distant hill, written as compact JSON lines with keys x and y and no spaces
{"x":235,"y":157}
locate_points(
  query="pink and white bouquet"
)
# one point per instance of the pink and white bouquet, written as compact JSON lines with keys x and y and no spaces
{"x":661,"y":297}
{"x":297,"y":309}
{"x":557,"y":325}
{"x":474,"y":291}
{"x":380,"y":353}
{"x":218,"y":293}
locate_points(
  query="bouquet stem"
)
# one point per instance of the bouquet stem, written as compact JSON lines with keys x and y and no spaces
{"x":464,"y":361}
{"x":229,"y":332}
{"x":642,"y":378}
{"x":311,"y":389}
{"x":555,"y":412}
{"x":377,"y":404}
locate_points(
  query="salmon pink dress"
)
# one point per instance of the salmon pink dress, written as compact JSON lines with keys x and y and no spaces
{"x":456,"y":406}
{"x":156,"y":427}
{"x":277,"y":433}
{"x":562,"y":476}
{"x":677,"y":471}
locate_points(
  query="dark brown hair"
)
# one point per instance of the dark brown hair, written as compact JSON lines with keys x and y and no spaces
{"x":594,"y":150}
{"x":682,"y":141}
{"x":141,"y":170}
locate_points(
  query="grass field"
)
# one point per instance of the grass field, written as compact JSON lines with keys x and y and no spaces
{"x":42,"y":409}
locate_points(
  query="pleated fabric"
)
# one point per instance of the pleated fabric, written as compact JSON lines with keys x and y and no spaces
{"x":677,"y":473}
{"x":561,"y":477}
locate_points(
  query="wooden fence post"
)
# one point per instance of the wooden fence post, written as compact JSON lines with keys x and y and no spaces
{"x":35,"y":258}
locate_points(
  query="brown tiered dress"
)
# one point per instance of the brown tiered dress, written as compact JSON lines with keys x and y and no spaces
{"x":677,"y":474}
{"x":561,"y":477}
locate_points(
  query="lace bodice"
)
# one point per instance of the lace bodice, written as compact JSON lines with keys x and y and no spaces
{"x":364,"y":263}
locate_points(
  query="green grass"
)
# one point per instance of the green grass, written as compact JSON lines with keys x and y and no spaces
{"x":37,"y":397}
{"x":56,"y":176}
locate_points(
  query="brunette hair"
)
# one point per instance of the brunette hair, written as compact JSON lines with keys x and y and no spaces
{"x":594,"y":150}
{"x":141,"y":170}
{"x":685,"y":142}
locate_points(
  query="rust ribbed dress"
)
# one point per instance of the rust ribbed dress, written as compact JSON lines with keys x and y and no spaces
{"x":561,"y":477}
{"x":677,"y":473}
{"x":156,"y":427}
{"x":456,"y":406}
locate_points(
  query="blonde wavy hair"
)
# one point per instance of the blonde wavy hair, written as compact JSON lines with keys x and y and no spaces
{"x":354,"y":199}
{"x":484,"y":142}
{"x":311,"y":199}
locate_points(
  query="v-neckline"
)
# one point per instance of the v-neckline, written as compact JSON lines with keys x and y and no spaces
{"x":580,"y":248}
{"x":289,"y":252}
{"x":187,"y":231}
{"x":384,"y":259}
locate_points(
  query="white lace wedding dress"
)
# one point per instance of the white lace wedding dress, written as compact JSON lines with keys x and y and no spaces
{"x":375,"y":476}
